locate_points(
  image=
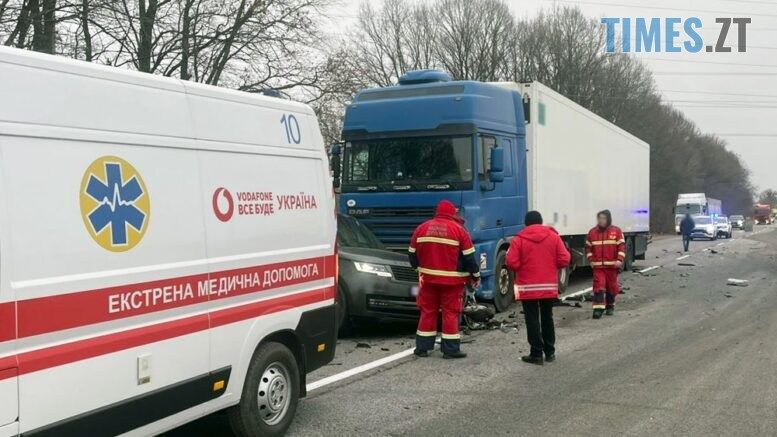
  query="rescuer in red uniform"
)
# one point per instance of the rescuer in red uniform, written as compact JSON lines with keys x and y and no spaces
{"x":535,"y":255}
{"x":605,"y":248}
{"x":442,"y":252}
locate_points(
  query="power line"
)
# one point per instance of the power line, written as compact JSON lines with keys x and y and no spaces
{"x":711,"y":73}
{"x":722,"y":101}
{"x":755,"y":2}
{"x":719,"y":93}
{"x":731,"y":13}
{"x":746,"y":135}
{"x":696,"y":61}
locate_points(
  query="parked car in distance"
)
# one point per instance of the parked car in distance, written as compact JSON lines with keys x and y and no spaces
{"x":705,"y":228}
{"x":374,"y":284}
{"x":737,"y":221}
{"x":723,"y":225}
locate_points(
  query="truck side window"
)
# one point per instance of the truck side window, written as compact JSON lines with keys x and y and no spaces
{"x":486,"y":144}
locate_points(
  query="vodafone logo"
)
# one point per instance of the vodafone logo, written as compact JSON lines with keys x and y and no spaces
{"x":223,"y":204}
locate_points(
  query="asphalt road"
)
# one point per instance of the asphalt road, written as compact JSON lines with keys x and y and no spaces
{"x":685,"y":354}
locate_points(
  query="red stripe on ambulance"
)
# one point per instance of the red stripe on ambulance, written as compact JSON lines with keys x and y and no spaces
{"x":64,"y":311}
{"x":54,"y":356}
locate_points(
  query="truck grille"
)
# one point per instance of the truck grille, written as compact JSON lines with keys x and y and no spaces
{"x":393,"y":226}
{"x":405,"y":274}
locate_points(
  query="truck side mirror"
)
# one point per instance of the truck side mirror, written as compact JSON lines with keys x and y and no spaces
{"x":336,"y":151}
{"x":496,"y":172}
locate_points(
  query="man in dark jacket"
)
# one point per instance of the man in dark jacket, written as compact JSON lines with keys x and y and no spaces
{"x":442,"y":252}
{"x":535,"y":255}
{"x":686,"y":229}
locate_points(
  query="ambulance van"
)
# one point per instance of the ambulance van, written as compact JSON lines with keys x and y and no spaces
{"x":167,"y":250}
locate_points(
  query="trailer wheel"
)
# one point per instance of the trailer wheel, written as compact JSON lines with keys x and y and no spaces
{"x":504,"y":296}
{"x":270,"y":393}
{"x":628,"y":260}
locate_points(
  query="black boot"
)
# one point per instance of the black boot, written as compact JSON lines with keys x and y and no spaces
{"x":457,"y":354}
{"x":421,"y":353}
{"x":532,"y":360}
{"x":598,"y":313}
{"x":609,"y":311}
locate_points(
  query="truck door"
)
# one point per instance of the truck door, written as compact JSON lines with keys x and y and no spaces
{"x":491,"y":214}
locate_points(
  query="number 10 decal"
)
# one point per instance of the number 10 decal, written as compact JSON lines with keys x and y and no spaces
{"x":291,"y":126}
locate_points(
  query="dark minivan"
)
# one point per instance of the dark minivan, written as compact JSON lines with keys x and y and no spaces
{"x":374,"y":284}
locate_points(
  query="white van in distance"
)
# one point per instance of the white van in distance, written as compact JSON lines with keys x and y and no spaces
{"x":167,"y":250}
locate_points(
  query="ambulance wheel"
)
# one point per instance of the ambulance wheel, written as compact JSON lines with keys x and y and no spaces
{"x":270,"y":393}
{"x":504,"y":296}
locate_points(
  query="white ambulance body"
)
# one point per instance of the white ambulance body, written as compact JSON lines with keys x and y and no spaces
{"x":166,"y":250}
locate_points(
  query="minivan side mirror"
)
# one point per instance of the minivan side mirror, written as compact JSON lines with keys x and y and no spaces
{"x":496,"y":172}
{"x":336,"y":151}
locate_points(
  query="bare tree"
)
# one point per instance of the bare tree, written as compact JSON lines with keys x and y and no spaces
{"x":473,"y":36}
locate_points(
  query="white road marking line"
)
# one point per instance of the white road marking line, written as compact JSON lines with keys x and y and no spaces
{"x":577,"y":293}
{"x":357,"y":370}
{"x":648,"y":269}
{"x":720,"y":244}
{"x":682,"y":257}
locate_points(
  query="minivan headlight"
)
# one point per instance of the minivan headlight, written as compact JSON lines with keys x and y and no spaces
{"x":375,"y":269}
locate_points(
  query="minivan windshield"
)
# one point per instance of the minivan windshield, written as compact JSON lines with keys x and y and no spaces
{"x":722,"y":220}
{"x":351,"y":233}
{"x":702,"y":220}
{"x":408,"y":164}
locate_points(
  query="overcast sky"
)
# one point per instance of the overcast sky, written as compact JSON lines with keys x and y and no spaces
{"x":733,"y":95}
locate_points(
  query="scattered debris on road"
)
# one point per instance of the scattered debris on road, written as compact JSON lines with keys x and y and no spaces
{"x":686,"y":264}
{"x":363,"y":346}
{"x":738,"y":282}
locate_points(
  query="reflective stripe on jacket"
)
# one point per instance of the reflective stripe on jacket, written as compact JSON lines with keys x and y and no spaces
{"x":535,"y":255}
{"x":442,"y":252}
{"x":605,"y":247}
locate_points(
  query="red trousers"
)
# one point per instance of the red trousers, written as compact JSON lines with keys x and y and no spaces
{"x":432,"y":298}
{"x":605,"y":280}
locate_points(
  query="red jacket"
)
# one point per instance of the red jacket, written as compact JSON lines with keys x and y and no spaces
{"x":604,"y":247}
{"x":535,"y":255}
{"x":441,"y":249}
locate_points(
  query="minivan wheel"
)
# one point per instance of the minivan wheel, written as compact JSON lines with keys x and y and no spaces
{"x":504,"y":296}
{"x":270,"y":393}
{"x":344,"y":324}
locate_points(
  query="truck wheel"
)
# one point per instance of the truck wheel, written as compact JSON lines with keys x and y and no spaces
{"x":270,"y":393}
{"x":504,"y":296}
{"x":563,"y":279}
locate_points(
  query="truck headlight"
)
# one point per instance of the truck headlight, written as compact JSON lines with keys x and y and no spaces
{"x":375,"y":269}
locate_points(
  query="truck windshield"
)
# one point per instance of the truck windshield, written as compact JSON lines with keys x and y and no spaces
{"x":408,"y":164}
{"x":688,"y":209}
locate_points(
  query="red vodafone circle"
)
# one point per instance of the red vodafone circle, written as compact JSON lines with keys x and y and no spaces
{"x":224,"y":216}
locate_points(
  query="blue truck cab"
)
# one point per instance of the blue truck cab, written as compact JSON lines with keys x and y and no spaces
{"x":409,"y":146}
